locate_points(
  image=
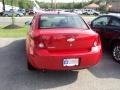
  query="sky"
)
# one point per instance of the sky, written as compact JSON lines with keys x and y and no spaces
{"x":65,"y":1}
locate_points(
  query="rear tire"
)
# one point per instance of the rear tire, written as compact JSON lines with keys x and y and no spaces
{"x":95,"y":14}
{"x":6,"y":15}
{"x":116,"y":52}
{"x":18,"y":15}
{"x":86,"y":13}
{"x":30,"y":67}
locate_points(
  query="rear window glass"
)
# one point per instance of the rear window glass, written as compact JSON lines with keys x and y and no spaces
{"x":61,"y":21}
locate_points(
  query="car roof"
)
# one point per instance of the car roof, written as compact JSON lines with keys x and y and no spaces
{"x":112,"y":15}
{"x":55,"y":12}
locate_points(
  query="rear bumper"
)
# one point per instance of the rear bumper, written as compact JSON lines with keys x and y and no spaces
{"x":43,"y":59}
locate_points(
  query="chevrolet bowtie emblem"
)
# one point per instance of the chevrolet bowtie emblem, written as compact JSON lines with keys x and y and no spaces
{"x":70,"y":40}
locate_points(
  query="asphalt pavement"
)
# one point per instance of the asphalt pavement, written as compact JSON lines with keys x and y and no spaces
{"x":15,"y":76}
{"x":18,"y":20}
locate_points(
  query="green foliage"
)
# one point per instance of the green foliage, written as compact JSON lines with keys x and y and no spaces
{"x":102,"y":9}
{"x":9,"y":2}
{"x":21,"y":3}
{"x":61,"y":5}
{"x":25,"y":4}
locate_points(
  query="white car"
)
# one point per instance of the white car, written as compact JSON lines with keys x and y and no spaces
{"x":78,"y":11}
{"x":90,"y":12}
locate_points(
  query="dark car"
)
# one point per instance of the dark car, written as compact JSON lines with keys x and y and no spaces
{"x":22,"y":11}
{"x":108,"y":26}
{"x":31,"y":12}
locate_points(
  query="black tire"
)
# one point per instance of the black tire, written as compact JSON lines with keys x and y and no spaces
{"x":95,"y":14}
{"x":17,"y":15}
{"x":6,"y":15}
{"x":116,"y":52}
{"x":86,"y":13}
{"x":30,"y":67}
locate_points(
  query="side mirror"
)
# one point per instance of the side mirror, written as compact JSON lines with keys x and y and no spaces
{"x":28,"y":23}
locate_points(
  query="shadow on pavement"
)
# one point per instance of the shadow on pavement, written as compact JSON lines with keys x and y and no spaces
{"x":15,"y":76}
{"x":107,"y":67}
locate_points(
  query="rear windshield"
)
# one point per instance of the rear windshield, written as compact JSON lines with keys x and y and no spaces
{"x":61,"y":21}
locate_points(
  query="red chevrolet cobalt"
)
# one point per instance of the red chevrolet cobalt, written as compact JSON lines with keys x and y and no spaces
{"x":61,"y":41}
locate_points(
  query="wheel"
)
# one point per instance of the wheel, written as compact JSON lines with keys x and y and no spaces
{"x":30,"y":67}
{"x":86,"y":13}
{"x":18,"y":15}
{"x":6,"y":15}
{"x":116,"y":52}
{"x":95,"y":14}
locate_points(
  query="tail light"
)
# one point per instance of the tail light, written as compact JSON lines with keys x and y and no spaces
{"x":39,"y":43}
{"x":36,"y":43}
{"x":96,"y":44}
{"x":97,"y":41}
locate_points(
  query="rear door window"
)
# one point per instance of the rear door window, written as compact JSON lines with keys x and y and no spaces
{"x":100,"y":22}
{"x":114,"y":22}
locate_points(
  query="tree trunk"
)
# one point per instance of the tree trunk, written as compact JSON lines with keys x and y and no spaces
{"x":13,"y":17}
{"x":3,"y":2}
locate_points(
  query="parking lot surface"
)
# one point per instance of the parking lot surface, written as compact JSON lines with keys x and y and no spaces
{"x":21,"y":20}
{"x":15,"y":76}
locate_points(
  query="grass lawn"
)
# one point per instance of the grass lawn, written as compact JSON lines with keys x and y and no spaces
{"x":13,"y":33}
{"x":16,"y":33}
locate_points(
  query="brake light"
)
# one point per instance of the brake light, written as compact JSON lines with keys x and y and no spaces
{"x":96,"y":44}
{"x":39,"y":43}
{"x":36,"y":43}
{"x":97,"y":41}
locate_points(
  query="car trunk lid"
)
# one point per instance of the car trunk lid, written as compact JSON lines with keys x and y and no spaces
{"x":67,"y":39}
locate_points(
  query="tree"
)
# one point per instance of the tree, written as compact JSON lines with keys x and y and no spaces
{"x":21,"y":3}
{"x":13,"y":18}
{"x":25,"y":4}
{"x":12,"y":25}
{"x":3,"y":2}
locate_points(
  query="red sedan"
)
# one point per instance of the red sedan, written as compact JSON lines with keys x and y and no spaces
{"x":61,"y":41}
